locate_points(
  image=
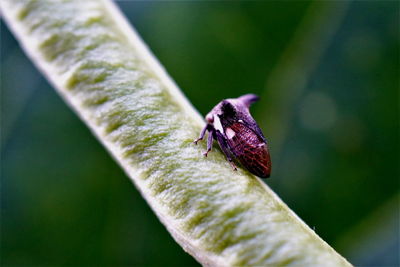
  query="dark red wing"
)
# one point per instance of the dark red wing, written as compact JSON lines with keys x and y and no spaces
{"x":249,"y":149}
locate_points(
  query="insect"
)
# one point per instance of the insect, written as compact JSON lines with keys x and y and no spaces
{"x":238,"y":135}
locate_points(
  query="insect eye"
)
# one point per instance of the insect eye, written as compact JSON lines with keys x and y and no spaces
{"x":210,"y":118}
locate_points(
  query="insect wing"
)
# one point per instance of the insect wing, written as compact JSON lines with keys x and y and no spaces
{"x":249,"y":148}
{"x":250,"y":123}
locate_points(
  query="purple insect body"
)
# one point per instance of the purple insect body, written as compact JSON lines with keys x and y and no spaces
{"x":238,"y":135}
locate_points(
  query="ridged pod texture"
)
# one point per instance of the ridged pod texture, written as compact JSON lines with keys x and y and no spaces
{"x":106,"y":74}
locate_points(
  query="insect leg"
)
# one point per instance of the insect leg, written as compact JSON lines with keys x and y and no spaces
{"x":225,"y":148}
{"x":203,"y":132}
{"x":210,"y":140}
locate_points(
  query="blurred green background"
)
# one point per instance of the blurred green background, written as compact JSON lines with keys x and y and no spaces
{"x":328,"y":75}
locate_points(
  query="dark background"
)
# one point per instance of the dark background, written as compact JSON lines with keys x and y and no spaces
{"x":327,"y":73}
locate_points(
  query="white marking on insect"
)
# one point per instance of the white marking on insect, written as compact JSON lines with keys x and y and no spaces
{"x":217,"y":124}
{"x":241,"y":121}
{"x":229,"y":133}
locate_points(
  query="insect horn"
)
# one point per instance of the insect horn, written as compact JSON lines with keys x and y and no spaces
{"x":248,"y":99}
